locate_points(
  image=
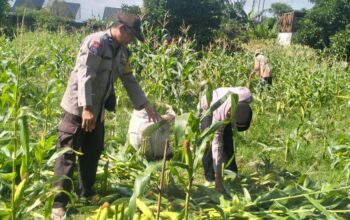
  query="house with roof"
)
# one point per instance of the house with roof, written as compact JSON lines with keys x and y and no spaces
{"x":75,"y":9}
{"x":34,"y":4}
{"x":110,"y":12}
{"x":66,"y":9}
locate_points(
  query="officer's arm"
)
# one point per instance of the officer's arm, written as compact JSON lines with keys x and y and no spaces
{"x":88,"y":61}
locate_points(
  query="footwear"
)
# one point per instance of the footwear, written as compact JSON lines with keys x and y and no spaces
{"x":58,"y":214}
{"x":91,"y":200}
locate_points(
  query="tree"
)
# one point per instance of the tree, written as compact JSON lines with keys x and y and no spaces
{"x":4,"y":7}
{"x":132,"y":9}
{"x":155,"y":11}
{"x":202,"y":16}
{"x":279,"y":8}
{"x":321,"y":22}
{"x":235,"y":20}
{"x":340,"y":43}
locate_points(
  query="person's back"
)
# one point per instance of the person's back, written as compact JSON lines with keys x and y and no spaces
{"x":220,"y":114}
{"x":222,"y":148}
{"x":262,"y":69}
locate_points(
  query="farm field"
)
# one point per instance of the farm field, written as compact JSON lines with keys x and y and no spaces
{"x":293,"y":161}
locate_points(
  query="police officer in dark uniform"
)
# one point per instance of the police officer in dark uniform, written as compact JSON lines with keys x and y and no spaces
{"x":102,"y":58}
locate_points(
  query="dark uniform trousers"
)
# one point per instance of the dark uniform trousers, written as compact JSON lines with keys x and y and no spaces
{"x":228,"y":152}
{"x":70,"y":134}
{"x":266,"y":82}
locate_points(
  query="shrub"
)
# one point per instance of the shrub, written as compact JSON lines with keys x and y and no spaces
{"x":340,"y":44}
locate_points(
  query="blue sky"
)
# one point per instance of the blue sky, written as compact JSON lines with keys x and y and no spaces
{"x":90,"y":8}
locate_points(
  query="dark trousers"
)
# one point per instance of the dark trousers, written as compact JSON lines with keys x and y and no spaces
{"x":266,"y":81}
{"x":228,"y":152}
{"x":70,"y":134}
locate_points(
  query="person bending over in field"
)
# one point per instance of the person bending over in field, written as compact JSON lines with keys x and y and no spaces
{"x":222,"y":145}
{"x":262,"y":68}
{"x":103,"y":57}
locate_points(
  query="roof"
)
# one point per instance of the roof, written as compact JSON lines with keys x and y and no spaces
{"x":109,"y":12}
{"x":73,"y":7}
{"x":66,"y":9}
{"x":29,"y":3}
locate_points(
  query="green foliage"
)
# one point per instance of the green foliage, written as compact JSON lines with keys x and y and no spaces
{"x":132,"y":9}
{"x":340,"y":44}
{"x":303,"y":113}
{"x":279,"y":8}
{"x":41,"y":19}
{"x":321,"y":22}
{"x":235,"y":11}
{"x":155,"y":12}
{"x":263,"y":30}
{"x":202,"y":17}
{"x":4,"y":7}
{"x":234,"y":21}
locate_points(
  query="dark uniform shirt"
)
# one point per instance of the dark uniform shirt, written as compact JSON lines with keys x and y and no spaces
{"x":99,"y":63}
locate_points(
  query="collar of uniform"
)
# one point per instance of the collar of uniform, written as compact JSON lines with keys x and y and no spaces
{"x":111,"y":39}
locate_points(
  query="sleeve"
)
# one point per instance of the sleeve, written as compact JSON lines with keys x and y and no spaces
{"x":89,"y":58}
{"x":133,"y":88}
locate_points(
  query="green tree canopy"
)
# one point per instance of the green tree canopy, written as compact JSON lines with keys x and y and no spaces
{"x":324,"y":20}
{"x":155,"y":11}
{"x":132,"y":9}
{"x":4,"y":7}
{"x":279,"y":8}
{"x":202,"y":16}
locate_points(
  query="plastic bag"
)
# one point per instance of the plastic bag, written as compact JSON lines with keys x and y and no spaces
{"x":150,"y":137}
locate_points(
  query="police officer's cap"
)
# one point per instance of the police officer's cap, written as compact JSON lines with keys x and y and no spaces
{"x":133,"y":22}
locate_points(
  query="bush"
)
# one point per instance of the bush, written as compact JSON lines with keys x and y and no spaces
{"x":324,"y":20}
{"x":340,"y":44}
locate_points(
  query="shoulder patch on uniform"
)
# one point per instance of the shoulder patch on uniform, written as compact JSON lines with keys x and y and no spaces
{"x":95,"y":47}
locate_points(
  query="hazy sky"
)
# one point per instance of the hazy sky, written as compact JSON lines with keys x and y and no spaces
{"x":296,"y":4}
{"x":95,"y":8}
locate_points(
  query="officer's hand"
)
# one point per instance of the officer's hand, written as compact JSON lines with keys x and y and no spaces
{"x":152,"y":113}
{"x":88,"y":120}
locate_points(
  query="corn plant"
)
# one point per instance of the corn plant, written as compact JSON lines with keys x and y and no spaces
{"x":293,"y":160}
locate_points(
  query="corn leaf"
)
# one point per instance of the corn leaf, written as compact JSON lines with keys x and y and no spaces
{"x":321,"y":208}
{"x":181,"y":123}
{"x":24,"y":136}
{"x":140,"y":184}
{"x":19,"y":193}
{"x":144,"y":209}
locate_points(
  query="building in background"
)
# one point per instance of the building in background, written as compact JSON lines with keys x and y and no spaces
{"x":289,"y":23}
{"x":34,"y":4}
{"x":110,"y":12}
{"x":65,"y":9}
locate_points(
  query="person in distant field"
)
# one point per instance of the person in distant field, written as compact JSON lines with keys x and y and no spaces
{"x":167,"y":41}
{"x":103,"y":57}
{"x":262,"y":68}
{"x":222,"y":145}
